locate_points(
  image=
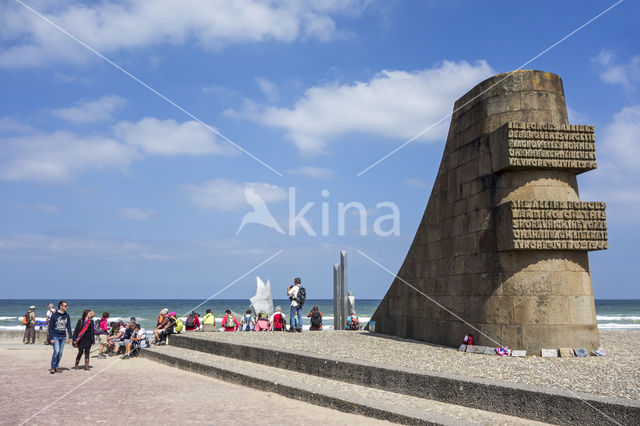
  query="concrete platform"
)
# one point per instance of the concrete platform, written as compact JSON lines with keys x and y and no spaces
{"x":346,"y":397}
{"x":526,"y":401}
{"x":141,"y":392}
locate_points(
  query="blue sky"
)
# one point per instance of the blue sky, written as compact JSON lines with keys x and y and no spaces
{"x":107,"y":190}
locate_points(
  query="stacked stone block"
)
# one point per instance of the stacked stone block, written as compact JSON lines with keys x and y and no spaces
{"x":504,"y":238}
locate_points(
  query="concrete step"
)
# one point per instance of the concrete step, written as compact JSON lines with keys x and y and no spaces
{"x":336,"y":394}
{"x":524,"y":401}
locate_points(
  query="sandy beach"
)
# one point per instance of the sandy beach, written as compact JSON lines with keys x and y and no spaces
{"x":119,"y":391}
{"x":617,"y":374}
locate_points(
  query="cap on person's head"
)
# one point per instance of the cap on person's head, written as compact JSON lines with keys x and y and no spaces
{"x":31,"y":308}
{"x":172,"y":314}
{"x":164,"y":311}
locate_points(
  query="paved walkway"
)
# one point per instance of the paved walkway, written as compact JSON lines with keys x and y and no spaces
{"x":139,"y":391}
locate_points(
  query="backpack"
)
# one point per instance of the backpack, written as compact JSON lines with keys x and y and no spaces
{"x":191,"y":321}
{"x":278,"y":321}
{"x":316,"y":319}
{"x":355,"y":323}
{"x":302,"y":296}
{"x":178,"y":327}
{"x":246,"y":323}
{"x":25,"y":319}
{"x":229,"y":323}
{"x":96,"y":327}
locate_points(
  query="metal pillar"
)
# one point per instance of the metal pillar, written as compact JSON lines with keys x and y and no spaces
{"x":344,"y":287}
{"x":337,"y":311}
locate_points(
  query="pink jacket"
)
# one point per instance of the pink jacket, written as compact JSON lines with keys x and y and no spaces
{"x":262,"y":325}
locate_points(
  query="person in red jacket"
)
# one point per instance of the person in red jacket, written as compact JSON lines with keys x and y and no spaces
{"x":195,"y":326}
{"x":229,"y":322}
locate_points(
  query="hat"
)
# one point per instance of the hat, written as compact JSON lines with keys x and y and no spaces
{"x":32,"y":308}
{"x":172,"y":314}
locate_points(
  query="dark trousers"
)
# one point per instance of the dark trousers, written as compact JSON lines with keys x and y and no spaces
{"x":86,"y":353}
{"x":30,"y":333}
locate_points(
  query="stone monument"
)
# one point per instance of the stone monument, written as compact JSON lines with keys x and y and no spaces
{"x":504,"y":239}
{"x":263,"y":299}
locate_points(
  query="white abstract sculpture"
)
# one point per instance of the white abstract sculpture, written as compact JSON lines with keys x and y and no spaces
{"x":263,"y":300}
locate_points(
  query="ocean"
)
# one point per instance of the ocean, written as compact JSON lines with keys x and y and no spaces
{"x":610,"y":314}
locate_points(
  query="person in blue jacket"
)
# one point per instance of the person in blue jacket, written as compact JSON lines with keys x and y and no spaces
{"x":59,"y":326}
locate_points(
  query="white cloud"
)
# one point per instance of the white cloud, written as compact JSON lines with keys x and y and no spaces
{"x":626,"y":75}
{"x":55,"y":157}
{"x":268,"y":88}
{"x":393,"y":104}
{"x":42,"y":207}
{"x":617,"y":181}
{"x":113,"y":25}
{"x":135,"y":214}
{"x":10,"y":125}
{"x":417,"y":183}
{"x":577,"y":117}
{"x":312,"y":172}
{"x":28,"y":154}
{"x":620,"y":148}
{"x":226,"y":194}
{"x":167,"y":137}
{"x":91,"y":111}
{"x":28,"y":245}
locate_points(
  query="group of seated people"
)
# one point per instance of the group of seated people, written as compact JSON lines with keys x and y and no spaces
{"x":168,"y":322}
{"x":123,"y":337}
{"x":265,"y":322}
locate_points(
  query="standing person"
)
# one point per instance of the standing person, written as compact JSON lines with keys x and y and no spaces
{"x":83,"y":337}
{"x":297,"y":295}
{"x":208,"y":321}
{"x":316,"y":319}
{"x":101,"y":329}
{"x":59,"y":326}
{"x":50,"y":312}
{"x":29,"y":321}
{"x":229,"y":322}
{"x":278,"y":320}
